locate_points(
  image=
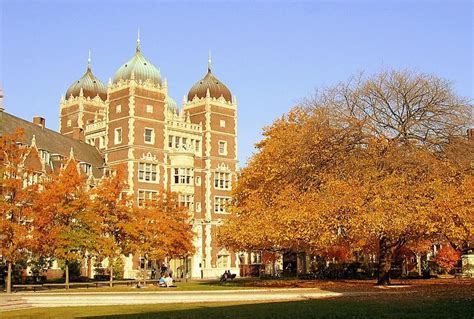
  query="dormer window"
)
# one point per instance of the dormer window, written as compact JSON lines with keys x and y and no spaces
{"x":45,"y":156}
{"x":86,"y":168}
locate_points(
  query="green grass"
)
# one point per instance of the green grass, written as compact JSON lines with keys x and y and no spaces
{"x":325,"y":308}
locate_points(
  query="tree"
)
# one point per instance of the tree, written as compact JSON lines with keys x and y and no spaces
{"x":369,"y":163}
{"x":16,"y":196}
{"x":447,"y":258}
{"x":62,"y":229}
{"x":162,"y":228}
{"x":111,"y":219}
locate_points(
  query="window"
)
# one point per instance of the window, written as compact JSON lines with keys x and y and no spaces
{"x":149,"y":135}
{"x":69,"y":123}
{"x":183,"y":176}
{"x":197,"y":146}
{"x":186,"y":200}
{"x":45,"y":156}
{"x":222,"y":180}
{"x":147,"y":172}
{"x":198,"y":207}
{"x":91,"y":141}
{"x":256,"y":258}
{"x":118,"y":108}
{"x":176,"y":141}
{"x":142,"y":263}
{"x":222,"y":261}
{"x":170,"y":141}
{"x":222,"y":123}
{"x":222,"y":148}
{"x":198,"y":180}
{"x":118,"y":135}
{"x":102,"y":142}
{"x":220,"y":204}
{"x":144,"y":196}
{"x":149,"y":108}
{"x":86,"y":168}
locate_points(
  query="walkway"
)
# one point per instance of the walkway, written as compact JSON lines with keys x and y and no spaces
{"x":26,"y":300}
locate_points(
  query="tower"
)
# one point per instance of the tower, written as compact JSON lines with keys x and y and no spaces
{"x":85,"y":101}
{"x":211,"y":103}
{"x":135,"y":125}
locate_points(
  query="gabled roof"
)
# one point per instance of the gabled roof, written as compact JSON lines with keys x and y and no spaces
{"x":52,"y":141}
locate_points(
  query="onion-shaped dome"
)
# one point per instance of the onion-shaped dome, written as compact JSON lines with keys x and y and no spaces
{"x":141,"y":68}
{"x":210,"y":82}
{"x":172,"y":106}
{"x":90,"y":85}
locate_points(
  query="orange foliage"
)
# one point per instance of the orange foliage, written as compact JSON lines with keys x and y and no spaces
{"x":447,"y":258}
{"x":15,"y":198}
{"x":162,"y":228}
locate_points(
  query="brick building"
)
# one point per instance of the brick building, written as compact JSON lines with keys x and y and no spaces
{"x":134,"y":122}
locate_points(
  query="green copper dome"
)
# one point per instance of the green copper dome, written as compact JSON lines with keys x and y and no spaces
{"x":141,"y":68}
{"x":90,"y":85}
{"x":171,"y":104}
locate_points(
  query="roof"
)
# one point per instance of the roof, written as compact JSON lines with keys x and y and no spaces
{"x":52,"y":141}
{"x":140,"y":67}
{"x":210,"y":82}
{"x":90,"y":85}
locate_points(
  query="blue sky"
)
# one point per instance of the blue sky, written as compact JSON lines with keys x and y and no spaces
{"x":270,"y":54}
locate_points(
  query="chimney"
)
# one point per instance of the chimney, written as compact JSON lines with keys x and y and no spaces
{"x":78,"y":134}
{"x":38,"y":120}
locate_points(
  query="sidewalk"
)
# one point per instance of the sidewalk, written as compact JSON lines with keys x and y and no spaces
{"x":158,"y":297}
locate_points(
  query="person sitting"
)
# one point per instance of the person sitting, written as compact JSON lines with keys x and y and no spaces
{"x":162,"y":282}
{"x":224,"y":276}
{"x":168,"y":281}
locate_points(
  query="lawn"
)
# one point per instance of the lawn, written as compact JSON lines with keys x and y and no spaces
{"x":411,"y":299}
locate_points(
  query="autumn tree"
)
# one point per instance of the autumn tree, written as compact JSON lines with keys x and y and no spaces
{"x":162,"y":228}
{"x":110,"y":219}
{"x":447,"y":258}
{"x":368,"y":163}
{"x":16,"y":195}
{"x":62,"y":228}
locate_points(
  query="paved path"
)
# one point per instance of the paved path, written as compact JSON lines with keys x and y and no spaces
{"x":136,"y":298}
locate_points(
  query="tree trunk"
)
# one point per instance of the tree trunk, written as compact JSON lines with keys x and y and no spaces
{"x":418,"y":264}
{"x":385,"y":262}
{"x":111,"y":273}
{"x":67,"y":275}
{"x":9,"y":278}
{"x":145,"y":276}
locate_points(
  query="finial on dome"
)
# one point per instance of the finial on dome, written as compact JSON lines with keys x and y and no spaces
{"x":89,"y":61}
{"x":209,"y":62}
{"x":138,"y":40}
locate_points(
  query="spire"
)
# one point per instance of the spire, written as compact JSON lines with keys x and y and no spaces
{"x":33,"y":141}
{"x":209,"y":62}
{"x":138,"y":40}
{"x":89,"y":61}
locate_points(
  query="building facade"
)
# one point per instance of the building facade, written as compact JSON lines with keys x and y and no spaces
{"x":192,"y":151}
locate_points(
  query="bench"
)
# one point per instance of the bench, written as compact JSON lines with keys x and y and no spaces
{"x":27,"y":286}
